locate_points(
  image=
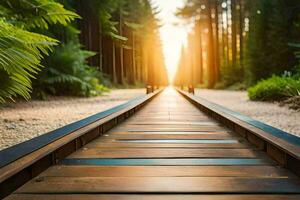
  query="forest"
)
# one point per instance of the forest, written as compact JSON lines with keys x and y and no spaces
{"x":78,"y":48}
{"x":83,"y":48}
{"x":242,"y":44}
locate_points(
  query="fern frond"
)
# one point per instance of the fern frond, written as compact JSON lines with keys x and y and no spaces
{"x":60,"y":77}
{"x":20,"y":56}
{"x":68,"y":73}
{"x":36,"y":13}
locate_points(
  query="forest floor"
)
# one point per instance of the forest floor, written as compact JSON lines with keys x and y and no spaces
{"x":273,"y":113}
{"x":24,"y":120}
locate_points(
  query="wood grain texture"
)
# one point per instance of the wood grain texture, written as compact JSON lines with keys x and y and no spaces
{"x":281,"y":143}
{"x":112,"y":144}
{"x":124,"y":165}
{"x":166,"y":153}
{"x":157,"y":136}
{"x":162,"y":185}
{"x":167,"y":171}
{"x":149,"y":197}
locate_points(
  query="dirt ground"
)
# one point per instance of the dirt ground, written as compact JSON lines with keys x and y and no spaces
{"x":24,"y":120}
{"x":270,"y":113}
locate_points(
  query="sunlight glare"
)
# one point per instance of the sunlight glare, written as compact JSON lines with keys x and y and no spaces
{"x":172,"y":36}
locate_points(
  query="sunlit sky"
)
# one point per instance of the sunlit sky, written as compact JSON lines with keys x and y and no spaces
{"x":172,"y":36}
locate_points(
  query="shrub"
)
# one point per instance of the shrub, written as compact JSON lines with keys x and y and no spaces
{"x":67,"y":73}
{"x":275,"y":88}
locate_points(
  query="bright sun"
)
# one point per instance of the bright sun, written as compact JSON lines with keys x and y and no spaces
{"x":172,"y":36}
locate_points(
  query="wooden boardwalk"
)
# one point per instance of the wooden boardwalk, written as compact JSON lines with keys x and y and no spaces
{"x":168,"y":150}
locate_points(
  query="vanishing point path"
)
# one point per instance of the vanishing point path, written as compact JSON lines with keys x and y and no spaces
{"x":167,"y":150}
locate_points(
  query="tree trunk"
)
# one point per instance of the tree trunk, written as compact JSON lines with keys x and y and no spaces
{"x":241,"y":21}
{"x":233,"y":35}
{"x":135,"y":73}
{"x":227,"y":41}
{"x":210,"y":61}
{"x":216,"y":46}
{"x":200,"y":60}
{"x":114,"y":64}
{"x":121,"y":48}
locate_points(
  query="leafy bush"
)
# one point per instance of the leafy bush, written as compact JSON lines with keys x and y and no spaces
{"x":67,"y":73}
{"x":275,"y":88}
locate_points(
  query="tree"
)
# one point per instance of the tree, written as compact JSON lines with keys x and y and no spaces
{"x":271,"y":30}
{"x":128,"y":32}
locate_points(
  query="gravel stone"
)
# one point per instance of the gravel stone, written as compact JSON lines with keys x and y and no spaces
{"x":24,"y":120}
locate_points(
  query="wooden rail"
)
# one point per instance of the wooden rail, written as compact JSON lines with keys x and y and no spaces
{"x":281,"y":146}
{"x":24,"y":161}
{"x":169,"y":149}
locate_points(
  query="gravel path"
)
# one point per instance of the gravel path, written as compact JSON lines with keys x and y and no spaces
{"x":269,"y":113}
{"x":25,"y":120}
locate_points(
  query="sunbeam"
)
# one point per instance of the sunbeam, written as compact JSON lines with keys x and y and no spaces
{"x":173,"y":36}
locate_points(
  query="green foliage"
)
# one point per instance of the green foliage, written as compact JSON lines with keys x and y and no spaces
{"x":21,"y":50}
{"x":20,"y":56}
{"x":297,"y":52}
{"x":137,"y":15}
{"x":35,"y":13}
{"x":275,"y":51}
{"x":67,"y":73}
{"x":275,"y":88}
{"x":140,"y":16}
{"x":272,"y":27}
{"x":104,"y":10}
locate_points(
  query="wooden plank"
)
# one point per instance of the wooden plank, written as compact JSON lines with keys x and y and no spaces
{"x":155,"y":121}
{"x":220,"y":133}
{"x":133,"y":122}
{"x":164,"y":171}
{"x":180,"y":141}
{"x":145,"y":113}
{"x":170,"y":118}
{"x":162,"y":185}
{"x":150,"y":136}
{"x":149,"y":197}
{"x":136,"y":122}
{"x":165,"y":153}
{"x":167,"y":161}
{"x":195,"y":126}
{"x":168,"y":129}
{"x":114,"y":144}
{"x":192,"y":113}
